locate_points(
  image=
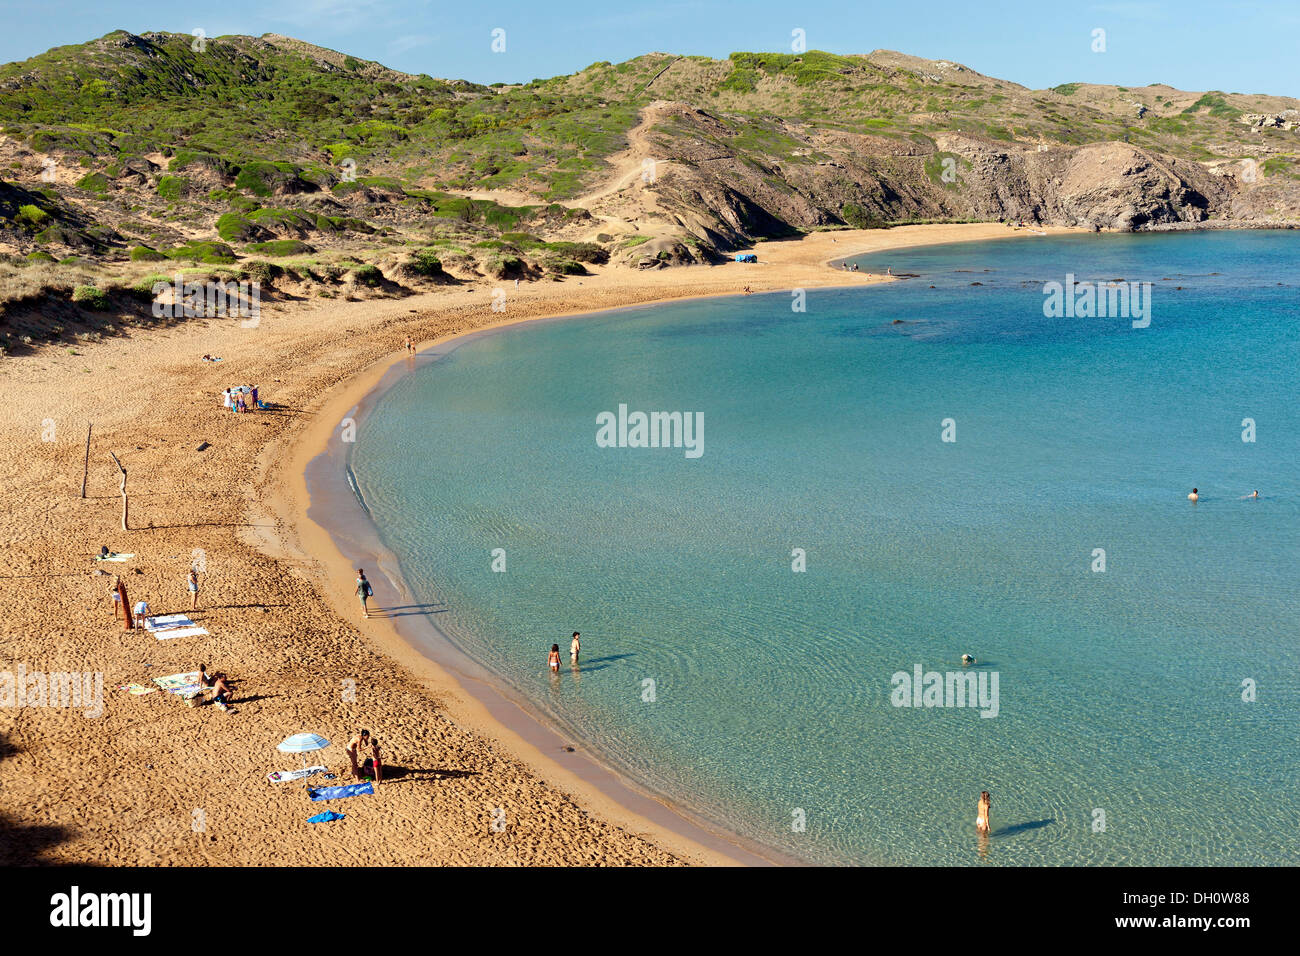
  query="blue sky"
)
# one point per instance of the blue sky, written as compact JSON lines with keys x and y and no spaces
{"x":1247,"y":47}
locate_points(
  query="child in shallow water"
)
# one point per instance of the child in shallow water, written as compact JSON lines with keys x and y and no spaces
{"x":553,"y":658}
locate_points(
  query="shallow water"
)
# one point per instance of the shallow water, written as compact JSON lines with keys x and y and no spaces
{"x":1118,"y":691}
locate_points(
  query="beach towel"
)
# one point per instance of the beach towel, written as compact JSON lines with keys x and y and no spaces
{"x":117,"y":557}
{"x":168,"y":626}
{"x":183,"y":684}
{"x":137,"y":689}
{"x":338,"y":793}
{"x":282,"y":776}
{"x":326,"y":817}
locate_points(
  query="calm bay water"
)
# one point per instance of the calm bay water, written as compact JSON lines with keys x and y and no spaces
{"x":1119,"y":691}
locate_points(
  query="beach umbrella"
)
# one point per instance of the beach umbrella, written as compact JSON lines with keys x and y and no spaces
{"x":302,"y":744}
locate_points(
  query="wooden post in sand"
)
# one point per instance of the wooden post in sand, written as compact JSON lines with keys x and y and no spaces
{"x":85,"y":470}
{"x":123,"y":489}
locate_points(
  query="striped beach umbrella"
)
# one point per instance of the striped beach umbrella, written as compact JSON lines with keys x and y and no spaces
{"x":302,"y":744}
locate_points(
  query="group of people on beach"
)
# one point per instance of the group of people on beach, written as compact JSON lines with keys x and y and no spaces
{"x":242,"y":398}
{"x":372,"y":766}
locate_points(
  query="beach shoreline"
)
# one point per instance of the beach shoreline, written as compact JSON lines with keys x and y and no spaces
{"x":287,"y":624}
{"x":600,"y":785}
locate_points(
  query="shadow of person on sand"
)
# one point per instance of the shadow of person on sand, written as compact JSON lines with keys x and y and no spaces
{"x":394,"y":772}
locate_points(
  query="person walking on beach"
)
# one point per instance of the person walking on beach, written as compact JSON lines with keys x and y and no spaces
{"x":227,"y":400}
{"x":364,"y":591}
{"x":354,"y":750}
{"x":553,"y":659}
{"x":574,"y":647}
{"x":982,"y":813}
{"x":408,"y":346}
{"x":192,"y":583}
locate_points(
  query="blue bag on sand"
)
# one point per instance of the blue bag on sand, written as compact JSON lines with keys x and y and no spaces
{"x":326,"y":817}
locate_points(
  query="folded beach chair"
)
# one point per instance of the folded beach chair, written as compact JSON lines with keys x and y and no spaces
{"x":284,"y":776}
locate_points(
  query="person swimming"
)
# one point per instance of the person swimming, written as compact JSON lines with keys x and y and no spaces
{"x":982,"y":813}
{"x":1194,"y":496}
{"x":1253,"y":494}
{"x":967,"y":660}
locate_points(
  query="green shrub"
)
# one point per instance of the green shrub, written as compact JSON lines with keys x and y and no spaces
{"x":40,"y":255}
{"x":233,"y":227}
{"x":93,"y":182}
{"x":281,"y":247}
{"x":197,"y":157}
{"x":90,"y":297}
{"x":264,"y":179}
{"x":259,"y":271}
{"x":214,"y":253}
{"x":32,"y":215}
{"x":171,"y":188}
{"x":146,"y":254}
{"x":425,"y":262}
{"x":859,"y":218}
{"x":368,"y":275}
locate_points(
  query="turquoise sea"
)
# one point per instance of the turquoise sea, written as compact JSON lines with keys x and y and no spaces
{"x":759,"y":697}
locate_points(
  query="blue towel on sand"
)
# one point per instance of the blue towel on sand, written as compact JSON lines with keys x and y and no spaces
{"x":325,"y":817}
{"x":338,"y":793}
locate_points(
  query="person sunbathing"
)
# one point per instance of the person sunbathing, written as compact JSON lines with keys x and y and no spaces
{"x":222,"y":691}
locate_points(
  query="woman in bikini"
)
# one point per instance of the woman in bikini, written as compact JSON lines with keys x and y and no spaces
{"x":553,"y":659}
{"x":982,"y":813}
{"x":354,"y":750}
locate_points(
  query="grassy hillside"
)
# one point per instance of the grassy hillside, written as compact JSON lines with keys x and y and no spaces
{"x":145,"y":152}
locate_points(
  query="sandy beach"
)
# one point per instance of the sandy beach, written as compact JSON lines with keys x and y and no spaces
{"x":153,"y":782}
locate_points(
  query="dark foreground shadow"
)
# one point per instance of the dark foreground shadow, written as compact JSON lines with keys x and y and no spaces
{"x":25,"y":844}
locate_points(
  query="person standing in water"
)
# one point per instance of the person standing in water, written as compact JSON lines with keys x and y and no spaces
{"x":364,"y":591}
{"x":573,"y":649}
{"x":982,"y":813}
{"x":1194,"y":497}
{"x":553,"y":659}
